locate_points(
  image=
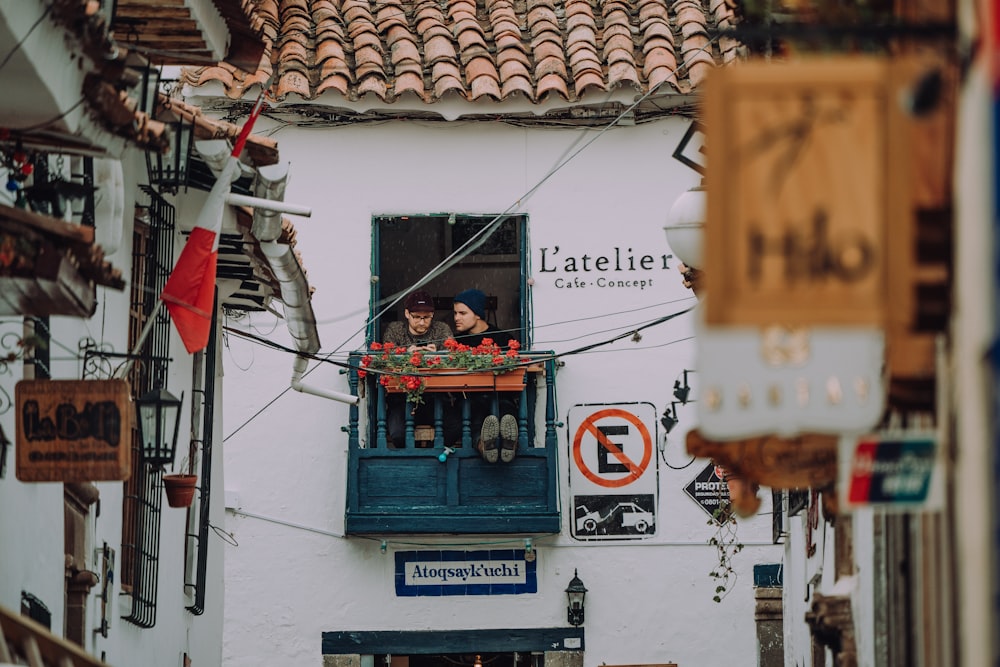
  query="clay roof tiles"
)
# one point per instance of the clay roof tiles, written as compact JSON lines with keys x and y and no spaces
{"x":476,"y":49}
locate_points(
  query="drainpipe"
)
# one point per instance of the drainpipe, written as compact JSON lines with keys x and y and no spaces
{"x":298,"y":316}
{"x":266,"y":228}
{"x":299,"y":369}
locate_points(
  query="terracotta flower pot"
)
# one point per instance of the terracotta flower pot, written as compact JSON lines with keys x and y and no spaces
{"x":180,"y":489}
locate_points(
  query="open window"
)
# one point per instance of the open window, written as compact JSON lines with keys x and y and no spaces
{"x":408,"y":247}
{"x":429,"y":477}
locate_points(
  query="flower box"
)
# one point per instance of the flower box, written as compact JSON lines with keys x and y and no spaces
{"x":441,"y":380}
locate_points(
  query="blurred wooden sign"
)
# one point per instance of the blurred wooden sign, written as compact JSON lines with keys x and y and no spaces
{"x":803,"y":462}
{"x":73,"y":430}
{"x":806,"y":162}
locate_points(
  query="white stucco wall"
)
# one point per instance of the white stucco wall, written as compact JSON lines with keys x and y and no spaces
{"x":294,"y":575}
{"x":31,"y":514}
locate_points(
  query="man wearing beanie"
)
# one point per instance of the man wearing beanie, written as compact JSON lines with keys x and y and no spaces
{"x":418,"y":332}
{"x":470,"y":320}
{"x":471,"y":329}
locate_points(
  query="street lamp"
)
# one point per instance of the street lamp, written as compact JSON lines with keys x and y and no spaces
{"x":685,"y":222}
{"x":172,"y":171}
{"x":159,"y":417}
{"x":575,"y":592}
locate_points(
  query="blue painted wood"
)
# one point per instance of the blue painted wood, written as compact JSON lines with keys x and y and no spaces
{"x":409,"y":491}
{"x":379,"y":642}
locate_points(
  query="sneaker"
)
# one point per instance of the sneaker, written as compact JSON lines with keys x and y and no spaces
{"x":508,"y":434}
{"x":488,"y":439}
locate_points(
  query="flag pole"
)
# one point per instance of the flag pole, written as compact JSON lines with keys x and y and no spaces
{"x":143,"y":335}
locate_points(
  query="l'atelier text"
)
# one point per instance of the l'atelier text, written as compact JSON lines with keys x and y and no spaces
{"x":619,"y":268}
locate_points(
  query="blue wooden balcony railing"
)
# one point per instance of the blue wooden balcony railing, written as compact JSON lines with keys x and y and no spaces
{"x":426,"y":485}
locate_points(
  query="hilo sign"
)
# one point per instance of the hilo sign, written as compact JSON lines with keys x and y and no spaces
{"x":612,"y":268}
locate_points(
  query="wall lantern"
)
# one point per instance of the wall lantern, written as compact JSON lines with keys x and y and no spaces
{"x":149,"y":89}
{"x":159,"y":418}
{"x":575,"y":592}
{"x":169,"y":172}
{"x":685,"y":223}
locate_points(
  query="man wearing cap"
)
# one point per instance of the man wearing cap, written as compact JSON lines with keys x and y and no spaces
{"x":418,"y":332}
{"x":471,"y":328}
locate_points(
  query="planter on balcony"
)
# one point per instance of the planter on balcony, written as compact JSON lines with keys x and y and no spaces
{"x":454,"y":380}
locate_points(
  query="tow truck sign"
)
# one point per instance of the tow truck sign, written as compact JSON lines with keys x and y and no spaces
{"x":613,"y":470}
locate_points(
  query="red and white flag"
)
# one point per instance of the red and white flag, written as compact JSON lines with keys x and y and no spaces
{"x":189,"y":294}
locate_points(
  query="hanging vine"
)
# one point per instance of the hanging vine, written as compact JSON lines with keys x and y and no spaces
{"x":727,"y":545}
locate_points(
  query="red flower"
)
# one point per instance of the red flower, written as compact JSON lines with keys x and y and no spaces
{"x":366,"y":360}
{"x":450,"y":344}
{"x":497,"y":359}
{"x":384,"y":380}
{"x":415,"y":359}
{"x":389,"y":347}
{"x":376,"y":346}
{"x":512,"y":354}
{"x":434,"y":361}
{"x":514,"y":345}
{"x":362,"y":373}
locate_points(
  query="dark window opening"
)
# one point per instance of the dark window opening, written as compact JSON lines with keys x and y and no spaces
{"x":406,"y":248}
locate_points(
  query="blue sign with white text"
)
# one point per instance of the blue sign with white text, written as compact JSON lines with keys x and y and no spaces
{"x":487,"y":572}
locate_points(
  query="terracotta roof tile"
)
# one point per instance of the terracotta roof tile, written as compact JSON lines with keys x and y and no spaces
{"x":516,"y":84}
{"x":335,"y":81}
{"x":472,"y":49}
{"x":550,"y":83}
{"x":409,"y":82}
{"x":485,"y":86}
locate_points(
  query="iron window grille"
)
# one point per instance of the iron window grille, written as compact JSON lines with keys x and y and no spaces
{"x":152,"y":257}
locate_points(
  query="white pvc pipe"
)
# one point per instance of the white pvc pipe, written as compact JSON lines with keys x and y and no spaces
{"x":235,"y":199}
{"x":299,"y":368}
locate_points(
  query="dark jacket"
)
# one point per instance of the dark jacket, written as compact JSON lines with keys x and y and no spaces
{"x":501,"y":338}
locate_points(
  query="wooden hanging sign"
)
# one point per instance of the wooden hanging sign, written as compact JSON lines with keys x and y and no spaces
{"x":803,"y":462}
{"x":73,"y":430}
{"x":807,"y":162}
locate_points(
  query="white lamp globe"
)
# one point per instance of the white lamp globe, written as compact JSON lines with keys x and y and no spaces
{"x":685,"y":223}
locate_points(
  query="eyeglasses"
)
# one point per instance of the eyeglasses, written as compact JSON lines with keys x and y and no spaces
{"x":422,"y":318}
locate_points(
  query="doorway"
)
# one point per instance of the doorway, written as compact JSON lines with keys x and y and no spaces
{"x":510,"y":659}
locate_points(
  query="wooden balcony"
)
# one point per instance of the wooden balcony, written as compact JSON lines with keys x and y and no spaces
{"x":421,"y":487}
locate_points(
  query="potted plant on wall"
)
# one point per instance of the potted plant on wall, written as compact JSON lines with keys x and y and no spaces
{"x":180,"y":486}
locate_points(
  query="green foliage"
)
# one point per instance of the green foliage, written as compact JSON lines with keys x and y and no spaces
{"x":404,"y":370}
{"x":727,"y":546}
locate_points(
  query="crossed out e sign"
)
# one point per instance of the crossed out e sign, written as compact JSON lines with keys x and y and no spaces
{"x":612,"y":448}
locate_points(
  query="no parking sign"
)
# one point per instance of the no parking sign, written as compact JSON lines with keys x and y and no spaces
{"x":613,"y":470}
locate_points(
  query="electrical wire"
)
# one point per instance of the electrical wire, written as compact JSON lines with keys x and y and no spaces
{"x":17,"y":47}
{"x":663,"y":457}
{"x":43,"y":125}
{"x":480,"y":237}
